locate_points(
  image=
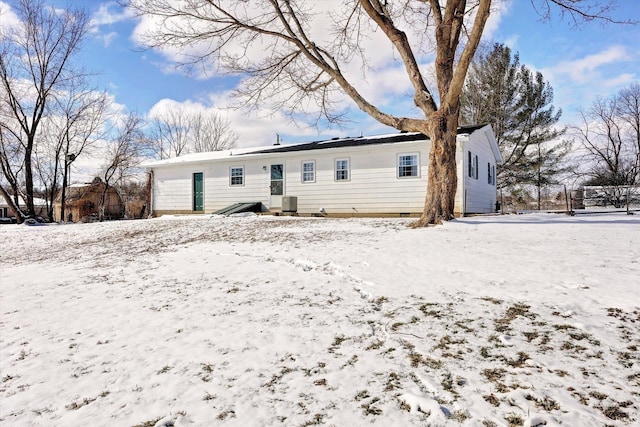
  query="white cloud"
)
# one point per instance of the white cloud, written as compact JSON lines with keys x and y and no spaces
{"x":8,"y":18}
{"x":499,"y":10}
{"x":512,"y":42}
{"x":107,"y":39}
{"x":586,"y":69}
{"x":577,"y":82}
{"x":620,"y":80}
{"x":110,"y":13}
{"x":381,"y":78}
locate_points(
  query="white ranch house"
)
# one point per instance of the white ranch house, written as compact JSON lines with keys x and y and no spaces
{"x":380,"y":175}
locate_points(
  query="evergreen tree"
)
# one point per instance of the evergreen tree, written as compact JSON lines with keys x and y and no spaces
{"x":518,"y":104}
{"x":490,"y":94}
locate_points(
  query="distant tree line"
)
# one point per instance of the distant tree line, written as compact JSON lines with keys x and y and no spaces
{"x":50,"y":115}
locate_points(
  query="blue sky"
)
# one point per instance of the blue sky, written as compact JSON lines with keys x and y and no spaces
{"x":593,"y":60}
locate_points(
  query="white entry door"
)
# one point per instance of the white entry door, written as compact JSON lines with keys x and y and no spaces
{"x":277,"y":185}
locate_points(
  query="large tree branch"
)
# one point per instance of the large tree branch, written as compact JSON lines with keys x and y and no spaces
{"x":460,"y":72}
{"x":423,"y":98}
{"x":590,"y":11}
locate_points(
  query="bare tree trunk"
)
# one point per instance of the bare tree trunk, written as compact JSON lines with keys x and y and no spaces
{"x":103,"y":201}
{"x":442,"y":178}
{"x":63,"y":198}
{"x":63,"y":192}
{"x":20,"y":217}
{"x":28,"y":178}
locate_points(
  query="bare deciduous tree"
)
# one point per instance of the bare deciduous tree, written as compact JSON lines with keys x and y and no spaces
{"x":212,"y":132}
{"x":83,"y":125}
{"x":11,"y":165}
{"x":77,"y":124}
{"x":35,"y":63}
{"x":168,"y":133}
{"x":610,"y":134}
{"x":123,"y":155}
{"x":275,"y":46}
{"x":629,"y":112}
{"x":176,"y":131}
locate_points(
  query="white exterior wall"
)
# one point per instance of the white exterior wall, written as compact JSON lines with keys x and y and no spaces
{"x":373,"y":188}
{"x":479,"y":196}
{"x":218,"y":193}
{"x":172,"y":187}
{"x":458,"y":203}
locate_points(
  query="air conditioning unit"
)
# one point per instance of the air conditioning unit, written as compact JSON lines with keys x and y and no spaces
{"x":289,"y":204}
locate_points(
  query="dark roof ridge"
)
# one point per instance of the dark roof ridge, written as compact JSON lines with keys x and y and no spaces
{"x":351,"y":141}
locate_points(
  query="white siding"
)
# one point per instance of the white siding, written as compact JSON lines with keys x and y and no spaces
{"x":219,"y":193}
{"x":172,"y":188}
{"x":479,"y":196}
{"x":373,"y":186}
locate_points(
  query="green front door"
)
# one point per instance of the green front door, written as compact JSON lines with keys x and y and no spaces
{"x":198,"y":193}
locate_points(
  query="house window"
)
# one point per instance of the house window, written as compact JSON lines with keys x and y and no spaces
{"x":491,"y":173}
{"x":407,"y":165}
{"x":236,"y":175}
{"x":473,"y":165}
{"x":309,"y":171}
{"x":342,"y":170}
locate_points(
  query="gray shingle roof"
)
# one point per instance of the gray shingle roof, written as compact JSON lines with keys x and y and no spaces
{"x":356,"y":141}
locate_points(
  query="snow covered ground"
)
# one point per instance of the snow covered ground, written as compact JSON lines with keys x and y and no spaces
{"x":250,"y":321}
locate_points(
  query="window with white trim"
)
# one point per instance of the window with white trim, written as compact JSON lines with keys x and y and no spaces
{"x":342,"y":170}
{"x":236,"y":175}
{"x":309,"y":171}
{"x":408,"y":165}
{"x":473,"y":165}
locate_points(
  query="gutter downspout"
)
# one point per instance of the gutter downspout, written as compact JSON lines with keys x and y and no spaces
{"x":463,"y":139}
{"x":150,"y":191}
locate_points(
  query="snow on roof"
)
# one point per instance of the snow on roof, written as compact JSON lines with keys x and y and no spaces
{"x":202,"y":157}
{"x":303,"y":146}
{"x":36,"y":201}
